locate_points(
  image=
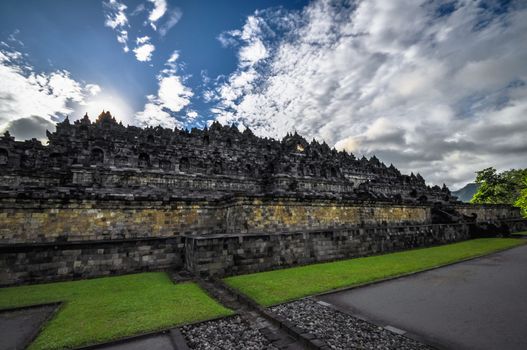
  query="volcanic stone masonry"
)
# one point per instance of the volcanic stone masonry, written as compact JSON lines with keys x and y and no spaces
{"x":102,"y":198}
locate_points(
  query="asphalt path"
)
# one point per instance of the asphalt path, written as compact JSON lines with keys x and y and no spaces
{"x":18,"y":327}
{"x":478,"y":304}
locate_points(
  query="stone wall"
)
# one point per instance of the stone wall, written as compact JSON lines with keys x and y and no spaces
{"x":33,"y":263}
{"x":57,"y":221}
{"x":235,"y":254}
{"x":275,"y":215}
{"x":489,"y":212}
{"x":25,"y":221}
{"x":45,"y":240}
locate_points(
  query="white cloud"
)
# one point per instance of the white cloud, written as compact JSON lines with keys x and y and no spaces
{"x":142,"y":39}
{"x":253,"y":53}
{"x":191,"y":115}
{"x":173,"y":94}
{"x":173,"y":57}
{"x":396,"y":79}
{"x":155,"y":114}
{"x":160,"y":7}
{"x":172,"y":97}
{"x":143,"y":52}
{"x":33,"y":101}
{"x":115,"y":18}
{"x":115,"y":14}
{"x":227,"y":40}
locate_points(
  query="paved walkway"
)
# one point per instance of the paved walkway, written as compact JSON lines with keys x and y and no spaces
{"x":153,"y":342}
{"x":479,"y":304}
{"x":18,"y":328}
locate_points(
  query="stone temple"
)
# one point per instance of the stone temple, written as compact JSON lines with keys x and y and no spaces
{"x":105,"y":199}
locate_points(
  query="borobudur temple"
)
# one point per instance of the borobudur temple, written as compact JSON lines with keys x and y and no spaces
{"x":103,"y":199}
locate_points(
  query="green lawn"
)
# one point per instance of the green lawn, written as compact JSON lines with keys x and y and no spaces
{"x":522,"y":233}
{"x":274,"y":287}
{"x":102,"y":309}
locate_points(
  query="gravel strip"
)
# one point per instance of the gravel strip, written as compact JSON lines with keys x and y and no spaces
{"x":226,"y":333}
{"x":340,"y":330}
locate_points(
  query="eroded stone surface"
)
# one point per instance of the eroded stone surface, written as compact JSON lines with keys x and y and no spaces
{"x":105,"y":158}
{"x":105,"y":199}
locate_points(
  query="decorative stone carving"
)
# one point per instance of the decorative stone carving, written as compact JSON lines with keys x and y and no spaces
{"x":212,"y":162}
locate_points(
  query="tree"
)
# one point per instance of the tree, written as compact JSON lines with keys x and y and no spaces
{"x":508,"y":187}
{"x":522,"y":199}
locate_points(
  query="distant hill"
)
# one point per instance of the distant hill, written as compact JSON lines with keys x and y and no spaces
{"x":466,"y":193}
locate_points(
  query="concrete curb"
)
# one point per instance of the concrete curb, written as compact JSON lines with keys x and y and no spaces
{"x":124,"y":340}
{"x":31,"y":306}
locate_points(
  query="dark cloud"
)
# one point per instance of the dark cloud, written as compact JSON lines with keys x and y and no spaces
{"x":31,"y":127}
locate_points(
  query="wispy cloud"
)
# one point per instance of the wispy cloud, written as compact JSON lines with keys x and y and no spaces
{"x":173,"y":19}
{"x":115,"y":18}
{"x":93,"y":89}
{"x":440,"y":92}
{"x":159,"y":18}
{"x":169,"y":102}
{"x":159,"y":10}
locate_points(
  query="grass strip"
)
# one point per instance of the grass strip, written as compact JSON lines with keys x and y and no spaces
{"x":278,"y":286}
{"x":105,"y":309}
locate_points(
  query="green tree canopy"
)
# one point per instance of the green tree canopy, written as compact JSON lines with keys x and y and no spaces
{"x":508,"y":187}
{"x":522,"y":199}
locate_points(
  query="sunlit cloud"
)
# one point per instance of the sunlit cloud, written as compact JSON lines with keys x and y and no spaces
{"x":143,"y":51}
{"x":159,"y":10}
{"x":173,"y":95}
{"x":33,"y":101}
{"x":395,"y":79}
{"x":109,"y":101}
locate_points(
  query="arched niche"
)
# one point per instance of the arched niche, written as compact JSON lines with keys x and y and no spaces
{"x":143,"y":160}
{"x":184,"y":165}
{"x":27,"y":161}
{"x":55,"y":160}
{"x":217,"y":168}
{"x":312,"y":170}
{"x":4,"y":157}
{"x":165,"y":165}
{"x":97,"y":156}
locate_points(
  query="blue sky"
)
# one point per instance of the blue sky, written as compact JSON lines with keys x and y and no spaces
{"x":72,"y":35}
{"x":436,"y":87}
